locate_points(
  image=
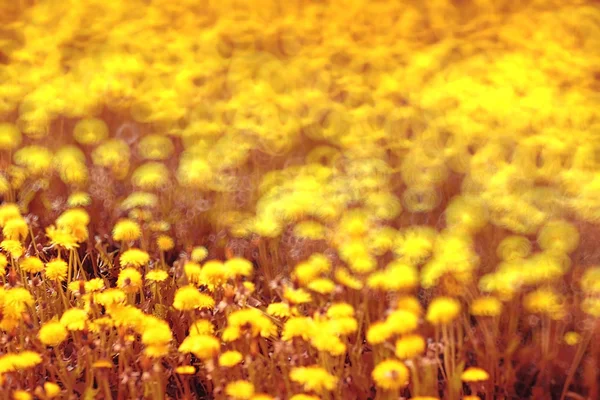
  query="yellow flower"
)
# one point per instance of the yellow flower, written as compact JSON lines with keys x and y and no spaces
{"x":74,"y":319}
{"x":486,"y":306}
{"x":410,"y":303}
{"x":185,"y":370}
{"x":199,"y":254}
{"x":442,"y":310}
{"x":322,"y":286}
{"x":340,"y":310}
{"x":149,"y":176}
{"x":402,"y":321}
{"x":8,"y":211}
{"x":189,"y":298}
{"x":126,"y":230}
{"x":473,"y":374}
{"x":572,"y":338}
{"x":62,"y":237}
{"x":110,"y":297}
{"x":378,"y":333}
{"x":90,"y":131}
{"x":410,"y":346}
{"x":280,"y":310}
{"x":390,"y":374}
{"x":202,"y":327}
{"x":343,"y":277}
{"x":545,"y":301}
{"x":79,"y":199}
{"x":31,"y":265}
{"x":165,"y":243}
{"x":56,"y":270}
{"x":10,"y":136}
{"x":134,"y":258}
{"x":156,"y":275}
{"x":130,"y":280}
{"x":204,"y":347}
{"x":239,"y":267}
{"x":313,"y":378}
{"x":240,"y":390}
{"x":15,"y":229}
{"x":230,"y":358}
{"x":155,"y":147}
{"x":52,"y":333}
{"x":51,"y":390}
{"x":12,"y":247}
{"x":297,"y":296}
{"x":22,"y":395}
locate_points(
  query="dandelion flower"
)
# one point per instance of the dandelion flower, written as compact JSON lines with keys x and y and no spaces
{"x":313,"y":378}
{"x":443,"y":310}
{"x":31,"y":265}
{"x":473,"y":374}
{"x":189,"y":298}
{"x":52,"y":333}
{"x":486,"y":307}
{"x":240,"y":390}
{"x":56,"y":270}
{"x":130,"y":280}
{"x":390,"y":374}
{"x":134,"y":258}
{"x":185,"y":370}
{"x":156,"y":275}
{"x":230,"y":358}
{"x":126,"y":230}
{"x":410,"y":346}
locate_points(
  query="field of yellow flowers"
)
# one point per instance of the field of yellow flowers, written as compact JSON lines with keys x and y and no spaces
{"x":300,"y":199}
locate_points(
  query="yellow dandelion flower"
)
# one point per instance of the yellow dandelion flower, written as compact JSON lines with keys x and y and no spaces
{"x":189,"y":298}
{"x":473,"y":374}
{"x":297,"y":296}
{"x":486,"y":307}
{"x":238,"y":267}
{"x":149,"y":176}
{"x":185,"y":370}
{"x":15,"y":229}
{"x":572,"y":338}
{"x":79,"y":199}
{"x":313,"y":378}
{"x":62,"y":237}
{"x":52,"y":333}
{"x":10,"y":136}
{"x":134,"y":258}
{"x":340,"y":310}
{"x":379,"y":332}
{"x":110,"y":297}
{"x":130,"y":280}
{"x":345,"y":278}
{"x":12,"y":247}
{"x":390,"y":374}
{"x":165,"y":243}
{"x":199,"y":254}
{"x":51,"y":390}
{"x":31,"y":265}
{"x":157,"y":275}
{"x":204,"y":347}
{"x":230,"y":358}
{"x":402,"y":321}
{"x":90,"y":131}
{"x":410,"y":346}
{"x":279,"y":310}
{"x":22,"y":395}
{"x":155,"y":147}
{"x":56,"y":270}
{"x":74,"y":319}
{"x":545,"y":301}
{"x":126,"y":230}
{"x":322,"y":286}
{"x":443,"y":310}
{"x":240,"y":390}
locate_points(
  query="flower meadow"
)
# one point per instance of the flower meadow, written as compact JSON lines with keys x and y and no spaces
{"x":302,"y":199}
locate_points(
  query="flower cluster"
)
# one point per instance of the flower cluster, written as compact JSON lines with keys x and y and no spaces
{"x":299,"y":200}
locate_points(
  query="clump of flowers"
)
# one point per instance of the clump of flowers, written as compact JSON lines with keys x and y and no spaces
{"x":299,"y":200}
